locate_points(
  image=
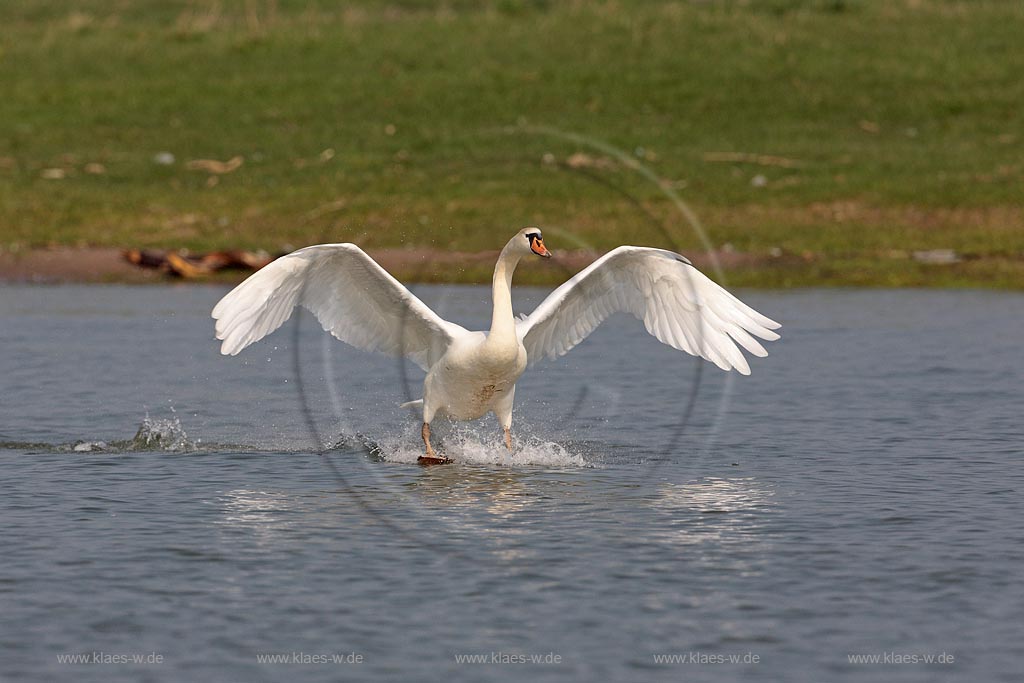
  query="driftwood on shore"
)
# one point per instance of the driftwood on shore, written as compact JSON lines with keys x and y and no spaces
{"x":186,"y":265}
{"x":418,"y":264}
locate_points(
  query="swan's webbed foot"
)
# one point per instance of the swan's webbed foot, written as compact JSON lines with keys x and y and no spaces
{"x":431,"y":458}
{"x":508,"y":438}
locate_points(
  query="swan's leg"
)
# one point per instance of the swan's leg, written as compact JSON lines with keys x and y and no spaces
{"x":503,"y":411}
{"x":431,"y":458}
{"x":425,"y":433}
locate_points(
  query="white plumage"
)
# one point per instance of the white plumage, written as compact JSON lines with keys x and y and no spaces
{"x":354,"y":299}
{"x":472,"y":373}
{"x":678,"y":304}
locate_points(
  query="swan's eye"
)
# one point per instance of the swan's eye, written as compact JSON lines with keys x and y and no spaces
{"x":533,"y":236}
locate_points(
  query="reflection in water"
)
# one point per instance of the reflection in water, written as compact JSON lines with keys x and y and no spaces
{"x":714,"y":510}
{"x":715,"y":494}
{"x":495,"y":510}
{"x":497,"y":491}
{"x":484,"y":495}
{"x":500,"y":507}
{"x":257,"y":511}
{"x":457,"y":496}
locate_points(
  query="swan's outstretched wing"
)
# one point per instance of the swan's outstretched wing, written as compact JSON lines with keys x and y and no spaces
{"x":354,"y":299}
{"x":678,"y":304}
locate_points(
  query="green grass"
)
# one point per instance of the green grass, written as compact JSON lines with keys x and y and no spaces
{"x":904,"y":118}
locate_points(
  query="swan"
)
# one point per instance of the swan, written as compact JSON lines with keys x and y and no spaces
{"x":472,"y":373}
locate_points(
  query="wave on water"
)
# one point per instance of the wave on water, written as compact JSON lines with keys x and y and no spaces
{"x":467,"y":446}
{"x":162,"y":434}
{"x":153,"y":434}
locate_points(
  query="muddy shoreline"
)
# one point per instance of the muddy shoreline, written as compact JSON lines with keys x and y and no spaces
{"x":59,"y":265}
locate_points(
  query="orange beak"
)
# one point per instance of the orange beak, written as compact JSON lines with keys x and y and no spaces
{"x":538,"y":248}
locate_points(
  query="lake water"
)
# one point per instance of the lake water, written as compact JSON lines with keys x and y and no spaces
{"x":859,"y":494}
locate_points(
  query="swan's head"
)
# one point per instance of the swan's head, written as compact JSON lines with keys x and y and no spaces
{"x":530,"y":240}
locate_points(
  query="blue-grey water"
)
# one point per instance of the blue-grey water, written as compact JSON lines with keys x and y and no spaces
{"x":859,"y":494}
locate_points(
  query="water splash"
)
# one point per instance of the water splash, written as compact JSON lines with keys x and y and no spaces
{"x":467,"y":445}
{"x":153,"y":434}
{"x":161,"y":434}
{"x":90,"y":446}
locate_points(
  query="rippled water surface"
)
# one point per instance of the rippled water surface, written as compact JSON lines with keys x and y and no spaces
{"x":859,"y":494}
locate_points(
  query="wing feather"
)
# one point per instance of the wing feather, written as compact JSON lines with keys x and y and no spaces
{"x":678,"y":305}
{"x":351,"y":296}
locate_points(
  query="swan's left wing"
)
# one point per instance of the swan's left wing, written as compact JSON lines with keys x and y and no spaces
{"x":352,"y":296}
{"x":677,"y":303}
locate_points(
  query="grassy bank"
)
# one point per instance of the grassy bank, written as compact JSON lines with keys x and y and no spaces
{"x":832,"y":138}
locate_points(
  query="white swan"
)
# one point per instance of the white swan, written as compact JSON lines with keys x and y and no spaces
{"x":472,"y":373}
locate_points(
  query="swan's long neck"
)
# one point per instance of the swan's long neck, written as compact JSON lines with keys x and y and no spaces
{"x":503,"y":324}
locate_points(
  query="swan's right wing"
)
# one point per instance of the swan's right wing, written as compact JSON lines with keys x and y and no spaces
{"x":352,"y":296}
{"x":678,"y":304}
